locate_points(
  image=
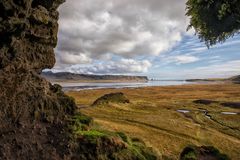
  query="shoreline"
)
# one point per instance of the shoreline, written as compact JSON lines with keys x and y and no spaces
{"x":126,"y":85}
{"x":122,"y":85}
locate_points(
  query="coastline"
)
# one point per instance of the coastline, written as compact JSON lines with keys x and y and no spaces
{"x":126,"y":84}
{"x":76,"y":86}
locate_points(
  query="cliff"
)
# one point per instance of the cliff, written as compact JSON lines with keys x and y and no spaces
{"x":37,"y":120}
{"x":66,"y":76}
{"x":33,"y":112}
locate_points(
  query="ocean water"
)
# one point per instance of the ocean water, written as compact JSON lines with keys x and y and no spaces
{"x":67,"y":86}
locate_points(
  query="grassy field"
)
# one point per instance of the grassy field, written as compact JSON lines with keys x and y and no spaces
{"x":152,"y":116}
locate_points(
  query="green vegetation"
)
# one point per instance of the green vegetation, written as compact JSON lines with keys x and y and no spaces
{"x":214,"y":20}
{"x":189,"y":153}
{"x":152,"y":117}
{"x":99,"y":140}
{"x":80,"y":122}
{"x":190,"y":156}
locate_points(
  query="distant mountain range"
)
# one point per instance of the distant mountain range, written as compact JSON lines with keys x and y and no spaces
{"x":67,"y":76}
{"x":234,"y":79}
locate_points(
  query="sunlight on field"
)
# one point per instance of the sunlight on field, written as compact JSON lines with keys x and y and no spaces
{"x":152,"y":116}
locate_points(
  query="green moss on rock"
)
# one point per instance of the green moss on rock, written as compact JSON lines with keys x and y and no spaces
{"x":104,"y":145}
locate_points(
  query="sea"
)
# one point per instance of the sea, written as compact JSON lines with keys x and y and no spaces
{"x":74,"y":86}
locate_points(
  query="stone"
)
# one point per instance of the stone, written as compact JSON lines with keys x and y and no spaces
{"x":29,"y":104}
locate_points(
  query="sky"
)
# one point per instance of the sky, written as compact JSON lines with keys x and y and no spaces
{"x":138,"y":37}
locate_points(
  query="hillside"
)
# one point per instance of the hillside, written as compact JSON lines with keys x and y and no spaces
{"x":67,"y":76}
{"x":234,"y":79}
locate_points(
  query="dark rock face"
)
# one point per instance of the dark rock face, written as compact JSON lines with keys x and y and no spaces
{"x":111,"y":98}
{"x":29,"y":32}
{"x":32,"y":111}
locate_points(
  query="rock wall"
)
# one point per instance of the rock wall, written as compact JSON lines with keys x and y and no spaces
{"x":32,"y":111}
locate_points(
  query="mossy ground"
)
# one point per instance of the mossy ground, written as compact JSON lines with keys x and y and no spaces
{"x":152,"y":116}
{"x":83,"y":127}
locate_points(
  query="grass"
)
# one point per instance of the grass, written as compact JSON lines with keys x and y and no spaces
{"x":190,"y":156}
{"x":152,"y":116}
{"x":83,"y":127}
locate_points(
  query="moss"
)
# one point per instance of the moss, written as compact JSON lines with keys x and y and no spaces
{"x":92,"y":133}
{"x":82,"y":119}
{"x":106,"y":144}
{"x":123,"y":136}
{"x":101,"y":142}
{"x":190,"y":156}
{"x":189,"y":153}
{"x":137,"y":147}
{"x":79,"y":122}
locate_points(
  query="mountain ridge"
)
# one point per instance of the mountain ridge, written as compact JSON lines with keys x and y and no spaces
{"x":234,"y":79}
{"x":67,"y":76}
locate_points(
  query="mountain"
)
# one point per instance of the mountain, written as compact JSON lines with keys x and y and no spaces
{"x":234,"y":79}
{"x":67,"y":76}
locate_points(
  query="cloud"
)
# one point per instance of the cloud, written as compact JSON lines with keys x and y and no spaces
{"x":66,"y":58}
{"x":124,"y":28}
{"x":122,"y":66}
{"x":181,"y":59}
{"x":225,"y":69}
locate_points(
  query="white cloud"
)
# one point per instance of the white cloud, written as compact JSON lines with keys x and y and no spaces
{"x":66,"y":58}
{"x":221,"y":70}
{"x":181,"y":59}
{"x":225,"y":69}
{"x":125,"y":28}
{"x":94,"y":32}
{"x":122,"y":66}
